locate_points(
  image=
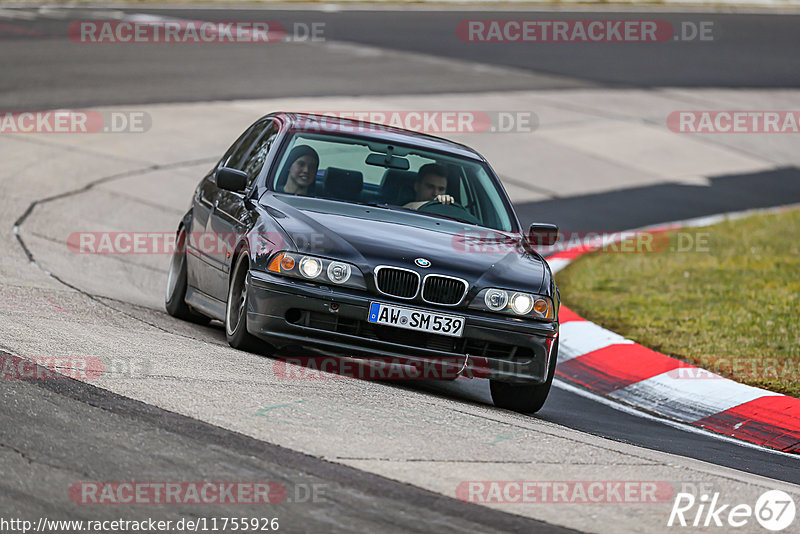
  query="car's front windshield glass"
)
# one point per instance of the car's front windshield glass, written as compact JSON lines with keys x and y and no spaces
{"x":368,"y":171}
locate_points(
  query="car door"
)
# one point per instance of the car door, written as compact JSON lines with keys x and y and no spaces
{"x":199,"y":265}
{"x":230,"y":216}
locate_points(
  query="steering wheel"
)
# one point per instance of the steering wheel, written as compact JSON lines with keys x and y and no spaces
{"x":453,"y":210}
{"x":437,"y":201}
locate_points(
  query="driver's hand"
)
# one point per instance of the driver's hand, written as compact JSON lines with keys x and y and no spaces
{"x":445,"y":199}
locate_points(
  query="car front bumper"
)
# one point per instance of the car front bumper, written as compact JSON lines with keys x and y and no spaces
{"x":320,"y":320}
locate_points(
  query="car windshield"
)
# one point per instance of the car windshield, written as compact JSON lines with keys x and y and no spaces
{"x":368,"y":171}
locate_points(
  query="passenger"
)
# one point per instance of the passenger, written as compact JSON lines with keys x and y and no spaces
{"x":299,"y":173}
{"x":431,"y":184}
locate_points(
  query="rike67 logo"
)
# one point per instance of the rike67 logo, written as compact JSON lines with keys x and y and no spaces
{"x":774,"y":510}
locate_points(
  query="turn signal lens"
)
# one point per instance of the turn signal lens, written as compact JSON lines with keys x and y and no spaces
{"x":287,"y":263}
{"x":275,"y":264}
{"x":543,"y":308}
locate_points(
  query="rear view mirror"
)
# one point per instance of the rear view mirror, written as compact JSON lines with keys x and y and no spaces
{"x":543,"y":234}
{"x":231,"y":180}
{"x":388,"y":161}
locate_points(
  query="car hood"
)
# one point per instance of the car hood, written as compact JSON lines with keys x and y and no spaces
{"x":370,"y":236}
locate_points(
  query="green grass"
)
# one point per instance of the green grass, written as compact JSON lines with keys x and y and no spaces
{"x":733,"y":309}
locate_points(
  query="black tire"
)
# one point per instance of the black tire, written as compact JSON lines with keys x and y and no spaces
{"x":524,"y":398}
{"x":175,"y":298}
{"x":236,"y":308}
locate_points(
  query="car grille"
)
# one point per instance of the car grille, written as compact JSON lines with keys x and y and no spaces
{"x":398,"y":283}
{"x":499,"y":351}
{"x":443,"y":290}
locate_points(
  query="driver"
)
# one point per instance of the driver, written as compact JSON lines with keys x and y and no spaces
{"x":431,"y":184}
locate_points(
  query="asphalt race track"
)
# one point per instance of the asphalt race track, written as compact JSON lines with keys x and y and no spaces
{"x":750,"y":51}
{"x":176,"y":403}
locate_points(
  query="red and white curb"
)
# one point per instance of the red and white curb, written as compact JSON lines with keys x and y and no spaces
{"x":609,"y":365}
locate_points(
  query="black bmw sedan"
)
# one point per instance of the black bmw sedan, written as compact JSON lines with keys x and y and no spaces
{"x":337,"y":237}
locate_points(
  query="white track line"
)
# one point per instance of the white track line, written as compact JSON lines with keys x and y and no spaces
{"x":582,"y":337}
{"x":16,"y":14}
{"x":688,"y":398}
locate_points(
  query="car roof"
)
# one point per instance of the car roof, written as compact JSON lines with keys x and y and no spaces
{"x":380,"y":132}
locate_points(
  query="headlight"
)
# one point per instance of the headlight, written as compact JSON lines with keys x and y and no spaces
{"x":521,"y":303}
{"x":514,"y":303}
{"x":496,"y":299}
{"x":310,"y":267}
{"x":339,"y":272}
{"x":316,"y":269}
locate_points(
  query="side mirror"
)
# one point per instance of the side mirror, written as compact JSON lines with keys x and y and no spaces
{"x":543,"y":234}
{"x":231,"y":180}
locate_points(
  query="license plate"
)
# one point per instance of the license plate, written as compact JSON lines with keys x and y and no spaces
{"x":412,"y":319}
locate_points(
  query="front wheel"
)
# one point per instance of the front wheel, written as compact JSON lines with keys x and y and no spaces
{"x":236,"y":309}
{"x":524,"y":398}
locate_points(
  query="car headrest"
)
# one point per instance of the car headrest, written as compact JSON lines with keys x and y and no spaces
{"x":397,"y":187}
{"x":341,"y":184}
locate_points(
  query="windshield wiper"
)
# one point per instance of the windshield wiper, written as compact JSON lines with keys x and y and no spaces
{"x":375,"y":205}
{"x":441,"y":216}
{"x":411,"y":210}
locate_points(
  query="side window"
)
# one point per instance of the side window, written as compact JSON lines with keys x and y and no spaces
{"x":236,"y":154}
{"x":462,"y":190}
{"x":255,"y":160}
{"x":468,"y":200}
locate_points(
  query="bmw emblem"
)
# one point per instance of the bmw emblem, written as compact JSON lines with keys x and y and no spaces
{"x":422,"y":262}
